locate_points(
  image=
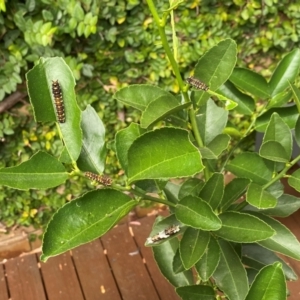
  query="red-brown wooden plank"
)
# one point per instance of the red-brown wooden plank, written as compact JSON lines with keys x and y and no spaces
{"x":96,"y":279}
{"x":127,"y":265}
{"x":24,"y":278}
{"x":60,"y":278}
{"x":165,"y":290}
{"x":3,"y":287}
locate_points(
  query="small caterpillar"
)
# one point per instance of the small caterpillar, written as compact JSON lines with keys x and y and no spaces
{"x":58,"y":100}
{"x":99,"y":178}
{"x":163,"y":234}
{"x":197,"y":83}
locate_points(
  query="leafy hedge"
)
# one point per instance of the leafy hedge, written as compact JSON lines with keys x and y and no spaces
{"x":108,"y":46}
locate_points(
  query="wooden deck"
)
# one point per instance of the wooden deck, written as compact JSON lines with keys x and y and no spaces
{"x":115,"y":267}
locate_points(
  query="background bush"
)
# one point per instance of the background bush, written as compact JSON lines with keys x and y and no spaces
{"x":109,"y":44}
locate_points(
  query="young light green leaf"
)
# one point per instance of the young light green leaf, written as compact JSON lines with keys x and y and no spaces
{"x":84,"y":219}
{"x":251,"y":82}
{"x":164,"y":255}
{"x":192,"y":246}
{"x":260,"y":198}
{"x":287,"y":70}
{"x":93,"y":153}
{"x":196,"y":292}
{"x":124,"y":140}
{"x":230,"y":275}
{"x":294,"y":180}
{"x":243,"y":228}
{"x":279,"y":99}
{"x":41,"y":171}
{"x":251,"y":166}
{"x":157,"y":155}
{"x":140,"y":95}
{"x":196,"y":213}
{"x":277,"y":142}
{"x":268,"y":284}
{"x":209,"y":261}
{"x":213,"y":190}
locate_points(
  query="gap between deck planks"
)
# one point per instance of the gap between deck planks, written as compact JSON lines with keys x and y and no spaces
{"x":87,"y":273}
{"x":128,"y":271}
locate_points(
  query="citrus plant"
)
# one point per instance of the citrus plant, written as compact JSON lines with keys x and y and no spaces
{"x":181,"y":149}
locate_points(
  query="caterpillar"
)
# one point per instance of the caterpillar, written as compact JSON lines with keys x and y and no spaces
{"x":58,"y":100}
{"x":197,"y":83}
{"x":99,"y":178}
{"x":163,"y":234}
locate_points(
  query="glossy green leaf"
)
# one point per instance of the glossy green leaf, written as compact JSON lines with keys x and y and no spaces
{"x":294,"y":180}
{"x":171,"y":191}
{"x":296,"y":94}
{"x":251,"y":82}
{"x":196,"y":292}
{"x":251,"y":166}
{"x":208,"y":263}
{"x":283,"y":241}
{"x":39,"y":83}
{"x":191,"y":187}
{"x":192,"y":246}
{"x":277,"y":142}
{"x":124,"y":140}
{"x":243,"y":228}
{"x":84,"y":219}
{"x":230,"y":275}
{"x":268,"y":284}
{"x":215,"y":147}
{"x":93,"y":153}
{"x":160,"y":108}
{"x":41,"y":171}
{"x":211,"y":121}
{"x":140,"y":95}
{"x":260,"y":198}
{"x":196,"y":213}
{"x":257,"y":257}
{"x":287,"y":70}
{"x":157,"y":155}
{"x":245,"y":103}
{"x":164,"y":255}
{"x":288,"y":114}
{"x":297,"y":132}
{"x":213,"y":190}
{"x":233,"y":191}
{"x":279,"y":99}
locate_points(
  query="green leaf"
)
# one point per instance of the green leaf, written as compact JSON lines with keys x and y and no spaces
{"x":160,"y":154}
{"x":160,"y":108}
{"x":84,"y":219}
{"x":124,"y":140}
{"x":279,"y":99}
{"x":215,"y":147}
{"x":287,"y":70}
{"x":260,"y":198}
{"x":250,"y":82}
{"x":257,"y":257}
{"x":177,"y":263}
{"x":283,"y":241}
{"x":39,"y":83}
{"x":245,"y":103}
{"x":288,"y":114}
{"x":296,"y":93}
{"x":192,"y":246}
{"x":171,"y":191}
{"x":140,"y":96}
{"x":294,"y":180}
{"x":41,"y":171}
{"x":164,"y":254}
{"x":196,"y":292}
{"x":93,"y":153}
{"x":233,"y":191}
{"x":208,"y":263}
{"x":268,"y":284}
{"x":211,"y":120}
{"x":297,"y":131}
{"x":213,"y":190}
{"x":196,"y":213}
{"x":230,"y":275}
{"x":277,"y":143}
{"x":243,"y":228}
{"x":191,"y":187}
{"x":251,"y":166}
